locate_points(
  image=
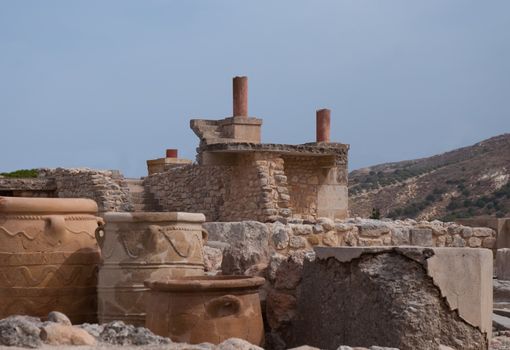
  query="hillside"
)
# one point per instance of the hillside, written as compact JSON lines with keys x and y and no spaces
{"x":467,"y":182}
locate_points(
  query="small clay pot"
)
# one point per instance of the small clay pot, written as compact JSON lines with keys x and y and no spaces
{"x":205,"y":309}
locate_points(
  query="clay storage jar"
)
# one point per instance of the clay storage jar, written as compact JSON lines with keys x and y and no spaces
{"x":48,"y":257}
{"x":141,"y":245}
{"x":206,"y":309}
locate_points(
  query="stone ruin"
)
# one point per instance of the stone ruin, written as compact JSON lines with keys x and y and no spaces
{"x":280,"y":212}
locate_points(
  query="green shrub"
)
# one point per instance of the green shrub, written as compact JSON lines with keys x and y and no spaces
{"x":22,"y":173}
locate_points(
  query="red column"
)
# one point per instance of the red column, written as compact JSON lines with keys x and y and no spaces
{"x":323,"y":125}
{"x":171,"y":153}
{"x":240,"y":92}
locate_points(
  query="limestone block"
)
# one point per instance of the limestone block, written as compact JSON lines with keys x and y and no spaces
{"x":422,"y":237}
{"x":400,"y":236}
{"x":373,"y":228}
{"x":249,"y":244}
{"x":297,"y":242}
{"x":503,"y":264}
{"x":482,"y":231}
{"x":60,"y":334}
{"x":405,"y":297}
{"x":280,"y":236}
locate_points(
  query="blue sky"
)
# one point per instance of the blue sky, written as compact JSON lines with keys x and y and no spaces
{"x":110,"y":84}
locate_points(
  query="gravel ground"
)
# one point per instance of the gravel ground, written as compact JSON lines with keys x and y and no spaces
{"x":500,"y":341}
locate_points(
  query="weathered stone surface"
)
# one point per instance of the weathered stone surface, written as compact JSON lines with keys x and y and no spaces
{"x":464,"y":277}
{"x":274,"y":264}
{"x":61,"y":334}
{"x":482,"y":231}
{"x":345,"y":347}
{"x":411,"y":310}
{"x":280,"y":236}
{"x":281,"y":308}
{"x":422,"y":237}
{"x":237,"y":344}
{"x":458,"y":241}
{"x":326,"y":223}
{"x":500,"y":323}
{"x":59,"y":317}
{"x":467,"y":232}
{"x":26,"y":332}
{"x":119,"y":333}
{"x":212,"y":258}
{"x":503,"y":264}
{"x":20,"y":331}
{"x":297,"y":242}
{"x":400,"y":236}
{"x":489,"y":242}
{"x":301,"y":230}
{"x":474,"y":242}
{"x":289,"y":273}
{"x":249,"y":244}
{"x":373,"y":228}
{"x":501,"y":293}
{"x":330,"y":239}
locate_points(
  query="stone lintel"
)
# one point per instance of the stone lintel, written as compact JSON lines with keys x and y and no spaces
{"x":240,"y":120}
{"x":307,"y":149}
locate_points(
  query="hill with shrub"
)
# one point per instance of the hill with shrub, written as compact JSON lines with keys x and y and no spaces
{"x":467,"y":182}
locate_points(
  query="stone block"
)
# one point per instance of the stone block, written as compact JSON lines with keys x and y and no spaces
{"x":373,"y":228}
{"x":503,"y":264}
{"x":421,"y":237}
{"x":404,"y":297}
{"x":400,"y":236}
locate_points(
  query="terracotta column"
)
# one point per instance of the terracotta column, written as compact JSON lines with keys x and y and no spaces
{"x":171,"y":153}
{"x":240,"y":90}
{"x":323,"y":125}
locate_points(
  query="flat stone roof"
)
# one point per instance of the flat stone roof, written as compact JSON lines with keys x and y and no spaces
{"x":306,"y":149}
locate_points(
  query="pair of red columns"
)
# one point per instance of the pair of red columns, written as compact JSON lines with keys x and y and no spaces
{"x":240,"y":99}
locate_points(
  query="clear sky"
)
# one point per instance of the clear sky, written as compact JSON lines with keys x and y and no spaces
{"x":110,"y":84}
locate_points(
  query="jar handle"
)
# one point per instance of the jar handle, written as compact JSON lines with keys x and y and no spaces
{"x":57,"y":225}
{"x":224,"y":306}
{"x":205,"y":235}
{"x":100,"y":234}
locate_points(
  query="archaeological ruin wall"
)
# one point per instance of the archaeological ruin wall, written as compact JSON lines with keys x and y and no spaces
{"x":106,"y":187}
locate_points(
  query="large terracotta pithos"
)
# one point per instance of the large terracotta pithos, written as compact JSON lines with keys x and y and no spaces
{"x":141,"y":245}
{"x":48,"y":257}
{"x":206,"y":309}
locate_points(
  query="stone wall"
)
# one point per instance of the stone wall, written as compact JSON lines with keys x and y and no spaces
{"x":254,"y":188}
{"x":277,"y":251}
{"x":106,"y":187}
{"x":303,"y":176}
{"x":191,"y":188}
{"x":27,"y":187}
{"x":317,"y":186}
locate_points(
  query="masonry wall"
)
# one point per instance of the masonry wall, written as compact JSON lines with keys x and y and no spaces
{"x":245,"y":198}
{"x":106,"y":187}
{"x":252,"y":187}
{"x":276,"y":251}
{"x":303,"y":178}
{"x":317,"y":187}
{"x":191,"y":188}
